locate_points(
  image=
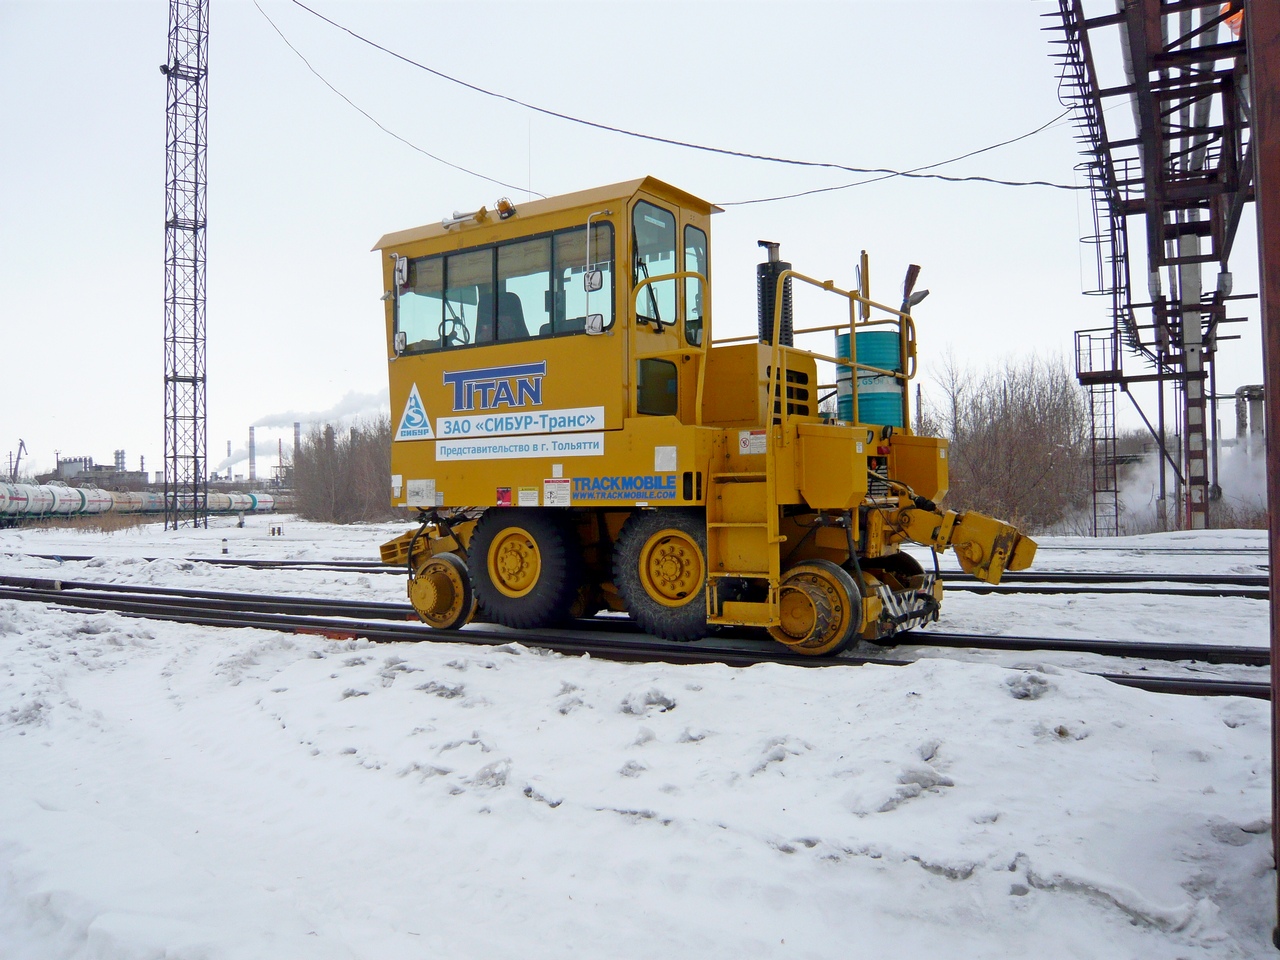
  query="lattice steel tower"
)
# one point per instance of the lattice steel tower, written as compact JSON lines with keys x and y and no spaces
{"x":186,"y":121}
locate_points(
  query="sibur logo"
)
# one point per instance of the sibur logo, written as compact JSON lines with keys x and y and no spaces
{"x":517,"y":385}
{"x":414,"y":422}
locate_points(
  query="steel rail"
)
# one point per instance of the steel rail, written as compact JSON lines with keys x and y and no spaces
{"x":345,"y":628}
{"x":1163,"y":551}
{"x":1119,"y":582}
{"x":239,"y":612}
{"x":382,"y":610}
{"x":1212,"y":579}
{"x":1252,"y":656}
{"x":366,"y":566}
{"x":1247,"y":593}
{"x":1192,"y":686}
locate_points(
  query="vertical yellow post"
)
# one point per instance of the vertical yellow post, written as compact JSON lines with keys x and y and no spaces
{"x":864,"y":284}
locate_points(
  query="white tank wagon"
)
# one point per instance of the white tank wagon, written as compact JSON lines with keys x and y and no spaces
{"x":66,"y":500}
{"x":262,"y":502}
{"x":26,"y":501}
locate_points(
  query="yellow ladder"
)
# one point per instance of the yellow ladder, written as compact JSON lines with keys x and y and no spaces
{"x":742,"y":543}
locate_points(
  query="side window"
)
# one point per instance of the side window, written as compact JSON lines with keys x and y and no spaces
{"x":572,"y":302}
{"x":656,"y":387}
{"x":468,"y":299}
{"x":421,"y":304}
{"x":524,"y":287}
{"x":695,"y":259}
{"x":653,"y":243}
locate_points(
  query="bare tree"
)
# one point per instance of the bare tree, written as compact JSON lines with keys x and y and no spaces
{"x":1020,"y":439}
{"x":345,"y":478}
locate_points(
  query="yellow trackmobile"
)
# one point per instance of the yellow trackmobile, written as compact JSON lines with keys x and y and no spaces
{"x":572,"y":438}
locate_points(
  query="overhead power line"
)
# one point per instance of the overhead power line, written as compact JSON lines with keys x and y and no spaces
{"x":913,"y":173}
{"x":887,"y":174}
{"x":378,"y":124}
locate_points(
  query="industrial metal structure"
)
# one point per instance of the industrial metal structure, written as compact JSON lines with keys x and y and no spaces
{"x":15,"y":462}
{"x":1203,"y":80}
{"x":1262,"y":30}
{"x":1173,"y":165}
{"x":186,"y":115}
{"x":573,"y":439}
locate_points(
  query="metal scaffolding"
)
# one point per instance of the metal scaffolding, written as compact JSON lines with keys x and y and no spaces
{"x":1177,"y":166}
{"x":186,"y":113}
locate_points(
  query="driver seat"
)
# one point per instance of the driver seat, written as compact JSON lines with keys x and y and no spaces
{"x":511,"y":325}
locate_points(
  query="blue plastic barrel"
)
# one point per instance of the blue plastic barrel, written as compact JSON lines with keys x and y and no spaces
{"x":879,"y":396}
{"x":844,"y":381}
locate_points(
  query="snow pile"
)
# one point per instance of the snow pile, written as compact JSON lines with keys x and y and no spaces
{"x":175,"y":791}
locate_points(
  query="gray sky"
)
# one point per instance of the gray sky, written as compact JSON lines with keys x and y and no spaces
{"x":301,"y":185}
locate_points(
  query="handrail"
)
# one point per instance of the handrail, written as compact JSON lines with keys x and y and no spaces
{"x":702,"y":347}
{"x":906,"y":342}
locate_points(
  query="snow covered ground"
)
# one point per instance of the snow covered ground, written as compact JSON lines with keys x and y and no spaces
{"x":182,"y":792}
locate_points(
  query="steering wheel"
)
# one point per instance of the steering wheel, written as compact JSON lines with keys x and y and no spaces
{"x":454,"y":332}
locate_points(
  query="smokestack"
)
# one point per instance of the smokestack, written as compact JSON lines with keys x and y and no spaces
{"x":297,"y":440}
{"x":1249,"y":420}
{"x":253,"y":459}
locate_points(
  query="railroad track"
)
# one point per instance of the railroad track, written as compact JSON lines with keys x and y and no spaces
{"x":1247,"y":586}
{"x":395,"y":622}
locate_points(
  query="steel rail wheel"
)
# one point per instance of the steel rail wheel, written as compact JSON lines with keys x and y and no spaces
{"x":900,"y":566}
{"x":821,"y":609}
{"x":523,"y":567}
{"x":660,"y":569}
{"x":441,"y":593}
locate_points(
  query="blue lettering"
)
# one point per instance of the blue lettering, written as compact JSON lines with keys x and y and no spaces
{"x":504,"y":394}
{"x":530,"y":389}
{"x":516,"y":385}
{"x":651,"y":487}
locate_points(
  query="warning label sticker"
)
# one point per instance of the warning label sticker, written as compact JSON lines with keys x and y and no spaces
{"x":752,"y":441}
{"x":555,"y":493}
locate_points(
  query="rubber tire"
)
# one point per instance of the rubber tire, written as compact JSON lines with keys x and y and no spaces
{"x":553,"y":593}
{"x":680,"y":623}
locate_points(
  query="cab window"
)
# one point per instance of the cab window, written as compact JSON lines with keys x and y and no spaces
{"x":656,"y":387}
{"x":526,"y":288}
{"x":695,"y":260}
{"x":468,"y":298}
{"x":653,"y":242}
{"x":524,"y":285}
{"x":572,"y":257}
{"x":420,"y":304}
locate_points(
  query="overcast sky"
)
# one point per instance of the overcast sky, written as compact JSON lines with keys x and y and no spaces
{"x":301,"y":184}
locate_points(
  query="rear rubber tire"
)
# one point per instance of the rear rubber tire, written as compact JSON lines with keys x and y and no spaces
{"x":660,"y":570}
{"x":524,"y":567}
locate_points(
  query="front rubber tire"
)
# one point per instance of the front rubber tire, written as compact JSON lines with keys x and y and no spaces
{"x":660,"y":570}
{"x":524,"y":567}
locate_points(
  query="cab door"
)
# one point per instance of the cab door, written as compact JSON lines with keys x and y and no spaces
{"x":669,"y":309}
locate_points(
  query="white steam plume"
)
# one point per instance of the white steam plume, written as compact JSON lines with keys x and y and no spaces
{"x":351,"y":405}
